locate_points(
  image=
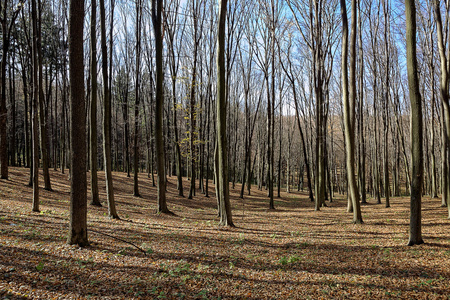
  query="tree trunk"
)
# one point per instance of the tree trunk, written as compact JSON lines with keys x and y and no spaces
{"x":349,"y":99}
{"x":444,"y":91}
{"x":386,"y":104}
{"x":95,"y":200}
{"x":3,"y":109}
{"x":12,"y":90}
{"x":160,"y":155}
{"x":137,"y":101}
{"x":42,"y":118}
{"x":107,"y":117}
{"x":34,"y":117}
{"x":221,"y":114}
{"x":415,"y":225}
{"x":192,"y":116}
{"x":362,"y":152}
{"x":78,"y":192}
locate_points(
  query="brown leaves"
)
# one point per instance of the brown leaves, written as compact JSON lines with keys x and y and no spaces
{"x":291,"y":253}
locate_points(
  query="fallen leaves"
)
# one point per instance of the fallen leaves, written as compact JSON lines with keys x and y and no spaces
{"x":290,"y":253}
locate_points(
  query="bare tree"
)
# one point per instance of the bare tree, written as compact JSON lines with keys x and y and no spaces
{"x":349,"y":106}
{"x":174,"y":62}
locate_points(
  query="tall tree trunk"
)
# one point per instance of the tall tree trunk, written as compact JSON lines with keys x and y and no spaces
{"x":107,"y":117}
{"x":6,"y":28}
{"x":192,"y":114}
{"x":362,"y":152}
{"x":280,"y":139}
{"x":386,"y":102}
{"x":34,"y":117}
{"x":3,"y":109}
{"x":137,"y":101}
{"x":26,"y":125}
{"x":415,"y":225}
{"x":221,"y":114}
{"x":42,"y":118}
{"x":444,"y":163}
{"x":95,"y":200}
{"x":78,"y":191}
{"x":318,"y":71}
{"x":12,"y":90}
{"x":160,"y":155}
{"x":444,"y":91}
{"x":349,"y":99}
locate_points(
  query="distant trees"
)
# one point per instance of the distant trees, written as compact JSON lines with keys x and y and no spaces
{"x":282,"y":114}
{"x":316,"y":24}
{"x":8,"y":16}
{"x":173,"y":44}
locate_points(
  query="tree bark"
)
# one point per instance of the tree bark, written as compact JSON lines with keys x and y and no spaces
{"x":34,"y":117}
{"x":42,"y":117}
{"x":349,"y":100}
{"x":444,"y":91}
{"x":221,"y":114}
{"x":107,"y":117}
{"x":415,"y":225}
{"x":95,"y":200}
{"x":160,"y":155}
{"x":137,"y":101}
{"x":6,"y":28}
{"x":78,"y":191}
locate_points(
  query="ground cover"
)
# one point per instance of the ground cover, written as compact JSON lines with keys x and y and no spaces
{"x":292,"y":252}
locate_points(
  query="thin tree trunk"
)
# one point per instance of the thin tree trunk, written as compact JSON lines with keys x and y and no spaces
{"x":349,"y":99}
{"x":221,"y":114}
{"x":137,"y":101}
{"x":34,"y":117}
{"x":107,"y":117}
{"x":160,"y":155}
{"x":386,"y":104}
{"x":192,"y":116}
{"x":444,"y":90}
{"x":95,"y":200}
{"x":42,"y":118}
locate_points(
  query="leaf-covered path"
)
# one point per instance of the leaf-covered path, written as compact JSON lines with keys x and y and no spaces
{"x":292,"y":252}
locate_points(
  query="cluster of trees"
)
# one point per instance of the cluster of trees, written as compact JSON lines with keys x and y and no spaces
{"x":267,"y":93}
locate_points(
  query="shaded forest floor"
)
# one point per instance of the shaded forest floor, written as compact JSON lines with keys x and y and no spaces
{"x":292,"y":252}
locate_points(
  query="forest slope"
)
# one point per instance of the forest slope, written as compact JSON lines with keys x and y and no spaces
{"x":292,"y":252}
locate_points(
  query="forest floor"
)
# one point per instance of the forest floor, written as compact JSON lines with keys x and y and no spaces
{"x":292,"y":252}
